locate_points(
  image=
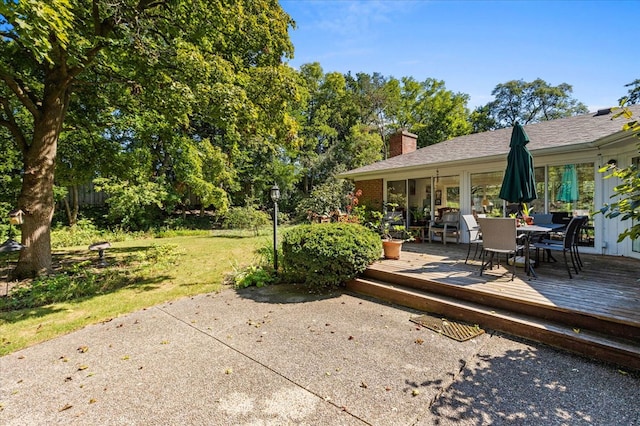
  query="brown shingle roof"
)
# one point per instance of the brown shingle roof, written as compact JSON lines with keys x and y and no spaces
{"x":564,"y":132}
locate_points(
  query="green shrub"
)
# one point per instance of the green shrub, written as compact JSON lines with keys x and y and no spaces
{"x":85,"y":233}
{"x":327,"y":255}
{"x":260,"y":273}
{"x":246,"y":218}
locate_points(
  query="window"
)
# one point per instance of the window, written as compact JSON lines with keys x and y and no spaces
{"x":485,"y":188}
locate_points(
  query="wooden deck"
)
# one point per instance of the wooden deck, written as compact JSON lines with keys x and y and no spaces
{"x":595,"y":313}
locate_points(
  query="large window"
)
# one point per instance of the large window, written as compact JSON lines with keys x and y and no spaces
{"x":485,"y":190}
{"x":419,"y":201}
{"x":397,"y":194}
{"x":446,"y":193}
{"x":570,"y":193}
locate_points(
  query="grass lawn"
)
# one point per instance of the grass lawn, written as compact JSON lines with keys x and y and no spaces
{"x":200,"y":265}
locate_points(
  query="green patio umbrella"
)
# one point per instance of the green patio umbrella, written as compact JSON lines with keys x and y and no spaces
{"x":568,"y":192}
{"x":519,"y":183}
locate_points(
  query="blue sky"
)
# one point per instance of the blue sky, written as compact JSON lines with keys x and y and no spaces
{"x":475,"y":45}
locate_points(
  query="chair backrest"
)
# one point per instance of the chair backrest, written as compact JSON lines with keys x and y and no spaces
{"x":560,"y":217}
{"x":451,"y":218}
{"x":498,"y":233}
{"x":582,"y":221}
{"x":472,"y":226}
{"x":571,"y":232}
{"x":541,"y":219}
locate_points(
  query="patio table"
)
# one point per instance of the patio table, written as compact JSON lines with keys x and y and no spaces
{"x":529,"y":231}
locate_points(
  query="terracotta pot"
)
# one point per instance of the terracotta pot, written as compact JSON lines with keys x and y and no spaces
{"x":392,"y":249}
{"x":529,"y":220}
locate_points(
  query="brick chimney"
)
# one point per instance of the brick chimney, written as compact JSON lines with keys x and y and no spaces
{"x":402,"y":142}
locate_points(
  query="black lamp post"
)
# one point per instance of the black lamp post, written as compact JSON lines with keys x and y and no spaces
{"x":275,"y":196}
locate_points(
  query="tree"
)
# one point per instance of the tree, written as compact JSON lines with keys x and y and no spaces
{"x":633,"y":96}
{"x":431,"y":111}
{"x":528,"y":102}
{"x":49,"y":49}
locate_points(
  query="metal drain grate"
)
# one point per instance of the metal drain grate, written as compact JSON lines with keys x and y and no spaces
{"x":452,"y":329}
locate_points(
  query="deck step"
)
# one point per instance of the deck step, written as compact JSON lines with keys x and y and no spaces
{"x":595,"y":345}
{"x":557,"y":314}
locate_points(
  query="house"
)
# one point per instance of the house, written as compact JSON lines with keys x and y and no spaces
{"x":466,"y":173}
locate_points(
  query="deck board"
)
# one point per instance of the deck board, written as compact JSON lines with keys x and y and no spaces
{"x":607,"y":287}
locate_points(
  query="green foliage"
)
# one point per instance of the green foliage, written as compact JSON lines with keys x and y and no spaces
{"x":247,"y":217}
{"x":258,"y":274}
{"x":132,"y":205}
{"x":432,"y":112}
{"x":325,"y":199}
{"x":528,"y":102}
{"x":327,"y":255}
{"x":254,"y":275}
{"x":627,"y":193}
{"x":633,"y":95}
{"x":628,"y":204}
{"x":81,"y":280}
{"x":83,"y":233}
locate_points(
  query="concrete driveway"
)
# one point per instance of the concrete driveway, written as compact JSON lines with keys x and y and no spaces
{"x":280,"y":355}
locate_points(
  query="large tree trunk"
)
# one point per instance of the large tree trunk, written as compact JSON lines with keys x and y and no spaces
{"x":36,"y":197}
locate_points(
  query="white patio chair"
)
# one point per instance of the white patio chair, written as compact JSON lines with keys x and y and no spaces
{"x":474,"y":233}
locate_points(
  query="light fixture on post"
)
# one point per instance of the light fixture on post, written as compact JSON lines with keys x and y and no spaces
{"x":275,"y":196}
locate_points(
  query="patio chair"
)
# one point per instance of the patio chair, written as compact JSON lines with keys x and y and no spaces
{"x":583,"y":220}
{"x":565,"y":246}
{"x":474,"y":233}
{"x":499,"y":236}
{"x":447,"y":226}
{"x":542,"y":218}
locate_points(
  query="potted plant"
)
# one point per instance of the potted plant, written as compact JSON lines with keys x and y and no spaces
{"x":525,"y":214}
{"x":393,"y":235}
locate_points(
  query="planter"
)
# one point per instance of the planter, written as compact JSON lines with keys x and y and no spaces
{"x":392,"y":248}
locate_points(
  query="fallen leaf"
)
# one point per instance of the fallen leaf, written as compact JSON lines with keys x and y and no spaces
{"x":363,"y":385}
{"x":419,"y":341}
{"x":126,"y":357}
{"x":83,"y":349}
{"x":164,"y":342}
{"x":83,"y":367}
{"x":66,"y":407}
{"x":351,"y":337}
{"x":415,"y":392}
{"x":624,"y":373}
{"x":576,"y":330}
{"x":92,"y":401}
{"x":387,"y":388}
{"x":228,"y":371}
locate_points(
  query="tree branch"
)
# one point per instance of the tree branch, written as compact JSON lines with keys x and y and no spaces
{"x":22,"y":93}
{"x":12,"y":126}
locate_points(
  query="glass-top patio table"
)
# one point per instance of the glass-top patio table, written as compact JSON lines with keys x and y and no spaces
{"x":530,"y":231}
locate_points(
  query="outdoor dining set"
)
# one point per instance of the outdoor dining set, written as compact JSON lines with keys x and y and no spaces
{"x":522,"y":244}
{"x":504,"y":236}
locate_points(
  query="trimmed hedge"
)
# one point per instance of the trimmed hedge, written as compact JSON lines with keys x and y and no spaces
{"x":327,"y":255}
